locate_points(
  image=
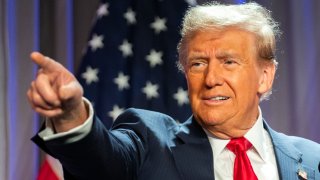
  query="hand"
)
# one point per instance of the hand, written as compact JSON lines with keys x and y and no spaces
{"x":56,"y":94}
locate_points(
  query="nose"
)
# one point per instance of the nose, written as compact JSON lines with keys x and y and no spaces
{"x":213,"y":76}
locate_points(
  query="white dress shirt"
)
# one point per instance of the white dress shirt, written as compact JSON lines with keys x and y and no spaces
{"x":261,"y":155}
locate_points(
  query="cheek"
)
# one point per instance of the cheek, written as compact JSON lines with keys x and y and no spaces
{"x":194,"y":84}
{"x":194,"y":88}
{"x":243,"y":84}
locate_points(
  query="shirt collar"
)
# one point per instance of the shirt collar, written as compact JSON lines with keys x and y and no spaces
{"x":255,"y":135}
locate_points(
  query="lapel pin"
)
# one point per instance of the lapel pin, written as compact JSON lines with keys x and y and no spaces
{"x":302,"y":174}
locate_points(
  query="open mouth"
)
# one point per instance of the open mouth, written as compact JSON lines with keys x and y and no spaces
{"x":215,"y":100}
{"x":219,"y":98}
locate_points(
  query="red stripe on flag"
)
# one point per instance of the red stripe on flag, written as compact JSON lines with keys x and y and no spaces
{"x":47,"y":172}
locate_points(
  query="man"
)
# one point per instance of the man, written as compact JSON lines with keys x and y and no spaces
{"x":227,"y":55}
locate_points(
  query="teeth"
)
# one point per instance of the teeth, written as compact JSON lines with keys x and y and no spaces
{"x":219,"y":98}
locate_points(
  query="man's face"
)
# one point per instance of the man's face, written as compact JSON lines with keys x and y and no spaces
{"x":225,"y":80}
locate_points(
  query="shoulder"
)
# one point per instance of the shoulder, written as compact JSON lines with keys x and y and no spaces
{"x":300,"y":143}
{"x":140,"y":119}
{"x":144,"y":116}
{"x":293,"y":144}
{"x":305,"y":145}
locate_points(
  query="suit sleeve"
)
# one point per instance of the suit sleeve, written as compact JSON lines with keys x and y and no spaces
{"x":102,"y":154}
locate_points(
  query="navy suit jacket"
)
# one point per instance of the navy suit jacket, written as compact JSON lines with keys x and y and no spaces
{"x":148,"y":145}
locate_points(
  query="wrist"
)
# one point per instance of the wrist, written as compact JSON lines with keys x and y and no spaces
{"x":74,"y":118}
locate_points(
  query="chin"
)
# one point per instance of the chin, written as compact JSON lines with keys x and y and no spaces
{"x":209,"y":120}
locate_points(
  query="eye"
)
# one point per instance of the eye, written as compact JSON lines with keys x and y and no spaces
{"x":229,"y":61}
{"x":197,"y":66}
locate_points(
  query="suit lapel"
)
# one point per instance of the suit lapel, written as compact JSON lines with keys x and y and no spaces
{"x":192,"y":152}
{"x":289,"y":158}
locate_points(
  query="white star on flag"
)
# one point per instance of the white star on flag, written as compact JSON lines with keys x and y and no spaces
{"x":103,"y":10}
{"x":130,"y":16}
{"x":91,"y":75}
{"x":126,"y":48}
{"x":137,"y":40}
{"x":96,"y":42}
{"x":122,"y":81}
{"x":159,"y":25}
{"x":181,"y":96}
{"x":154,"y":57}
{"x":151,"y":90}
{"x":116,"y":111}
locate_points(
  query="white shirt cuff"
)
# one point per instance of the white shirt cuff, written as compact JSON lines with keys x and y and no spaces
{"x":72,"y":135}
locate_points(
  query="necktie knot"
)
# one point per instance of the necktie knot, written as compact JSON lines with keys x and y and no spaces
{"x":238,"y":145}
{"x":242,"y":166}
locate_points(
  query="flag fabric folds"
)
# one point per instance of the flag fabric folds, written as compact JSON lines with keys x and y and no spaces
{"x":130,"y":60}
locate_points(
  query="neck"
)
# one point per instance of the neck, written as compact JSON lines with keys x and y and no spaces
{"x":230,"y":130}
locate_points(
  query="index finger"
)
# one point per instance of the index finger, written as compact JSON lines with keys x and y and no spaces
{"x":44,"y":62}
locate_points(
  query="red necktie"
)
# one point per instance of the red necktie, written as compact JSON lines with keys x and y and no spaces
{"x":242,"y":166}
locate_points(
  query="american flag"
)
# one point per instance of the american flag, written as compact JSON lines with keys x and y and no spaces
{"x":130,"y":60}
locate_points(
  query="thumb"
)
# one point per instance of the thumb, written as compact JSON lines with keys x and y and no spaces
{"x":71,"y":92}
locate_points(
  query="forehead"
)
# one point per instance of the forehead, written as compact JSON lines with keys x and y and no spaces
{"x":231,"y":40}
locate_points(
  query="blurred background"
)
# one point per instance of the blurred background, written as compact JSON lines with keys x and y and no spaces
{"x":124,"y":53}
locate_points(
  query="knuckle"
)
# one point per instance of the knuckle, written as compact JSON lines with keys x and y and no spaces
{"x":47,"y":113}
{"x":28,"y":93}
{"x":37,"y":99}
{"x":33,"y":84}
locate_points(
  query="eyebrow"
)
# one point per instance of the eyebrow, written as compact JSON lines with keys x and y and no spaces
{"x":198,"y":55}
{"x":226,"y":54}
{"x":219,"y":54}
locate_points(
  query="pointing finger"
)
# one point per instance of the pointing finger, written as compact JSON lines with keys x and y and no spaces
{"x":44,"y":62}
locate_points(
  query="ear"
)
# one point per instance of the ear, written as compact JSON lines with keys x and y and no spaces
{"x":267,"y":77}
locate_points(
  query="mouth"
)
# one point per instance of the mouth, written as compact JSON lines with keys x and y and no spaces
{"x":219,"y":98}
{"x":216,"y":99}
